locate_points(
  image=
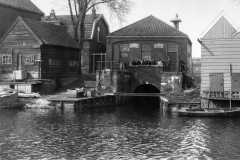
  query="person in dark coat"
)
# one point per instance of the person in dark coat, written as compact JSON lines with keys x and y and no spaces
{"x":183,"y":64}
{"x":168,"y":64}
{"x":154,"y":62}
{"x":149,"y":62}
{"x":139,"y":62}
{"x":164,"y":65}
{"x":134,"y":62}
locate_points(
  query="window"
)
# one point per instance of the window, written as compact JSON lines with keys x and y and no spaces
{"x":76,"y":63}
{"x":73,"y":63}
{"x":70,"y":63}
{"x":6,"y":59}
{"x":99,"y":33}
{"x":54,"y":62}
{"x":172,"y":47}
{"x":146,"y":51}
{"x":28,"y":59}
{"x":124,"y":49}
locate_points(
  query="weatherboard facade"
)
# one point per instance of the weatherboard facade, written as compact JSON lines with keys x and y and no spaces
{"x":220,"y":56}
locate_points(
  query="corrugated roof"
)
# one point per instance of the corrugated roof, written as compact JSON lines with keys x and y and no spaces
{"x":65,"y":21}
{"x":149,"y":26}
{"x":50,"y":33}
{"x":22,"y":4}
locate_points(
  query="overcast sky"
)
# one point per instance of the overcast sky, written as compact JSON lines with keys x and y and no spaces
{"x":196,"y":15}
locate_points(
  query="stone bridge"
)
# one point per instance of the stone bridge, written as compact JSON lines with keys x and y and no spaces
{"x":138,"y":79}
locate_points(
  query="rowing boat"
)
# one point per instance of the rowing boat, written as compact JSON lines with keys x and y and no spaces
{"x":210,"y":112}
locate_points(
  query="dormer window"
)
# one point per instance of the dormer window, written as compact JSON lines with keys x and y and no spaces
{"x":99,"y":33}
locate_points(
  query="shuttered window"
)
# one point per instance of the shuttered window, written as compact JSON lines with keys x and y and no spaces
{"x":146,"y":51}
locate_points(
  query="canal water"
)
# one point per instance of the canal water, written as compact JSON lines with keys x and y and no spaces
{"x":123,"y":132}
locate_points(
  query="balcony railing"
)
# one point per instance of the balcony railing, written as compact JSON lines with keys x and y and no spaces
{"x":178,"y":66}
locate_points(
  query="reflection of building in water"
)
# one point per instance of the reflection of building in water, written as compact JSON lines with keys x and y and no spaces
{"x":196,"y":65}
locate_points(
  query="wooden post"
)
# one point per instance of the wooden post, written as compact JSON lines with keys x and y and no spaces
{"x":230,"y":69}
{"x":105,"y":61}
{"x":74,"y":104}
{"x":61,"y":104}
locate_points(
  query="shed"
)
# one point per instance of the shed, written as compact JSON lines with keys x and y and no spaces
{"x":220,"y":57}
{"x":33,"y":50}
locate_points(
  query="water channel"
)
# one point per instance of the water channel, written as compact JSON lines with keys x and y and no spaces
{"x":122,"y":132}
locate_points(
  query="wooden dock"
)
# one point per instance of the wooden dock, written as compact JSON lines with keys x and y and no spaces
{"x":104,"y":100}
{"x":137,"y":94}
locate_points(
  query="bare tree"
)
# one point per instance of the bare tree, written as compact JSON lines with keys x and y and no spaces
{"x":79,"y":8}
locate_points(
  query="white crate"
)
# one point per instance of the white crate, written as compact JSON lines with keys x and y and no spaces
{"x":19,"y":74}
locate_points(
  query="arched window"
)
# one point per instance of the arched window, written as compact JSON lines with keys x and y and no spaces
{"x":99,"y":33}
{"x":146,"y":51}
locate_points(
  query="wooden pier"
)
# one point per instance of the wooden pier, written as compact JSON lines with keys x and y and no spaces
{"x":137,"y":94}
{"x":104,"y":100}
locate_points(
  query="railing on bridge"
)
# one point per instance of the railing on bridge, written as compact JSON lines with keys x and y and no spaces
{"x":179,"y":66}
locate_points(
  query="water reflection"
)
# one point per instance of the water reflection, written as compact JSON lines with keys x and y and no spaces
{"x":122,"y":132}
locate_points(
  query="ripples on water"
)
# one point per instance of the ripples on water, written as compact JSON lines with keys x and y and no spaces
{"x":122,"y":132}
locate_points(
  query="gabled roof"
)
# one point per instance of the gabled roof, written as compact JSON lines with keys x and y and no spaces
{"x":46,"y":33}
{"x":221,"y":16}
{"x":149,"y":26}
{"x":90,"y":21}
{"x":22,"y":4}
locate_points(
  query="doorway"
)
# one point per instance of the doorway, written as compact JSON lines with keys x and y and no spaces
{"x":173,"y":58}
{"x":216,"y":83}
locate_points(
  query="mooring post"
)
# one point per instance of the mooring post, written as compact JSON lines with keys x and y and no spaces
{"x":164,"y":103}
{"x":74,"y":104}
{"x":61,"y":104}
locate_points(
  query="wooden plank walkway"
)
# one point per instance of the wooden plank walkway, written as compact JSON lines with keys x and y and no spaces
{"x":137,"y":94}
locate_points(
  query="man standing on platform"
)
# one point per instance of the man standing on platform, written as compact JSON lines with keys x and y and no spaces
{"x":168,"y":64}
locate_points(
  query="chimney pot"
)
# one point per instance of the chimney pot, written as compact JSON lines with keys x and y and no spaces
{"x":176,"y":22}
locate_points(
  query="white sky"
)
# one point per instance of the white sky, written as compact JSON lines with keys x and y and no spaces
{"x":196,"y":15}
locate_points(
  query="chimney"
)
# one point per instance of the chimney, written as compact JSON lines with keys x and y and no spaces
{"x":94,"y":12}
{"x":176,"y":21}
{"x":53,"y":18}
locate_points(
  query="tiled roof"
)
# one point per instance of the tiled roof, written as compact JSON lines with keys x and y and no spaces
{"x":149,"y":26}
{"x":50,"y":33}
{"x":22,"y":4}
{"x":65,"y":21}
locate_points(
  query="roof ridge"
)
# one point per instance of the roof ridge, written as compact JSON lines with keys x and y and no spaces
{"x":156,"y":21}
{"x":50,"y":24}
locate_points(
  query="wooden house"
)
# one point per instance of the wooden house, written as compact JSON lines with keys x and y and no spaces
{"x":151,"y":39}
{"x":96,"y":30}
{"x":33,"y":50}
{"x":220,"y":57}
{"x":11,"y":9}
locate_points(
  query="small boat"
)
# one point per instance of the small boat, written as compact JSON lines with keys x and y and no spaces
{"x":210,"y":112}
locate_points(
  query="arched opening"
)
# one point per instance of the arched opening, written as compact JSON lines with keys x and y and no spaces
{"x":147,"y":100}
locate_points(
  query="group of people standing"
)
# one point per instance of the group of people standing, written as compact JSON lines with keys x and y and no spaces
{"x":165,"y":64}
